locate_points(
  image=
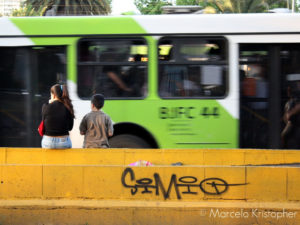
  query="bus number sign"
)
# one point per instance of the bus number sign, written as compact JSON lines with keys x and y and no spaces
{"x":187,"y":112}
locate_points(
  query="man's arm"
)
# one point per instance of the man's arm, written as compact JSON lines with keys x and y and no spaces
{"x":82,"y":127}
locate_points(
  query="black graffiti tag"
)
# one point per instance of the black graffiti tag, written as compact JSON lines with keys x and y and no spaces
{"x":210,"y":186}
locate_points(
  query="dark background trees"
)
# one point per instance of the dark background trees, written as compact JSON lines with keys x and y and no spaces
{"x":67,"y":7}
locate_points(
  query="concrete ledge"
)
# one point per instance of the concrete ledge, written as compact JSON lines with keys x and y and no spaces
{"x":93,"y":203}
{"x":83,"y":212}
{"x":123,"y":157}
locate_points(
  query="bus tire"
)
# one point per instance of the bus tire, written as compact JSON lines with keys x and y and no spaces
{"x":128,"y":141}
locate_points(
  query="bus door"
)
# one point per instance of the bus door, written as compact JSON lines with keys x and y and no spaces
{"x":26,"y":75}
{"x":269,"y":74}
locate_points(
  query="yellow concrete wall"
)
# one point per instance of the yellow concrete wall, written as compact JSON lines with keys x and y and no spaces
{"x":156,"y":156}
{"x":52,"y":194}
{"x":265,"y":184}
{"x":78,"y":186}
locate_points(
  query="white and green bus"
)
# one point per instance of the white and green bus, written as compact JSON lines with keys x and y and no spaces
{"x":181,"y":81}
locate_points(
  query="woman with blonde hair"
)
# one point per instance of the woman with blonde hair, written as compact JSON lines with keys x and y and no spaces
{"x":58,"y":116}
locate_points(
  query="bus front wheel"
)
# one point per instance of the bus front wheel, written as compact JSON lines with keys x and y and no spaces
{"x":127,"y":141}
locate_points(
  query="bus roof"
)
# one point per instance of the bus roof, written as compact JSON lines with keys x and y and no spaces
{"x":209,"y":24}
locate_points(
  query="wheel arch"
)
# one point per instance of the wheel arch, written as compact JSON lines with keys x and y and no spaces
{"x":137,"y":130}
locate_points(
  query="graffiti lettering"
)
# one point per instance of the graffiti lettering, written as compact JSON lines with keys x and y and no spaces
{"x":182,"y":185}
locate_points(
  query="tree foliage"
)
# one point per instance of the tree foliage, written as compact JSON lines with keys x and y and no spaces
{"x":68,"y":7}
{"x":238,"y":6}
{"x":25,"y":11}
{"x":188,"y":2}
{"x":151,"y":6}
{"x":245,"y":6}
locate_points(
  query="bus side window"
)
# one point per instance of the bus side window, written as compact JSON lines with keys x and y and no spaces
{"x":117,"y":70}
{"x":172,"y":81}
{"x":211,"y":80}
{"x":192,"y":67}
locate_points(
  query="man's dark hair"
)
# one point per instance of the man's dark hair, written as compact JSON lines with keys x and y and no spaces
{"x":98,"y":100}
